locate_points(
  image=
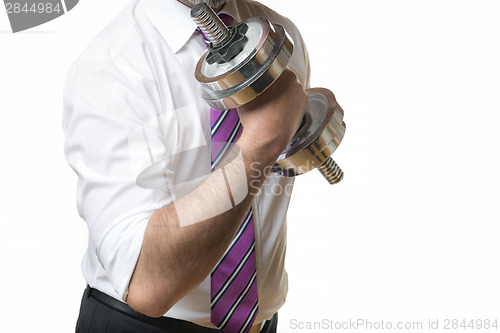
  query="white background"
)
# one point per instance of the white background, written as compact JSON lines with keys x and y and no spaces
{"x":410,"y":234}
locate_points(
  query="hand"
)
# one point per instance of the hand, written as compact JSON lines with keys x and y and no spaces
{"x":271,"y":120}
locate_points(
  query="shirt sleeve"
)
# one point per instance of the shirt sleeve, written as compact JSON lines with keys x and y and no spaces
{"x":103,"y":107}
{"x":299,"y":62}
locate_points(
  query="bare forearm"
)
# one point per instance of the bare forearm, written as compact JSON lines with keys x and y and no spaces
{"x":181,"y":246}
{"x":179,"y":251}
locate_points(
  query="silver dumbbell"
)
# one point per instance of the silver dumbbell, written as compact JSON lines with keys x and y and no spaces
{"x":241,"y":62}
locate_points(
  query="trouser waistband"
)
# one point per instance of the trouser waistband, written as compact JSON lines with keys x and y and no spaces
{"x":162,"y":322}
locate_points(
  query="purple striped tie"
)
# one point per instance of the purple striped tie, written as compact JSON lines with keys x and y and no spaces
{"x":234,"y":297}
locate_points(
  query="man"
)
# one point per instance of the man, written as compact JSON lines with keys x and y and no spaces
{"x":136,"y":131}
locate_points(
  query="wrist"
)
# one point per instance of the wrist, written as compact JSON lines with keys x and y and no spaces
{"x":257,"y":151}
{"x":258,"y":162}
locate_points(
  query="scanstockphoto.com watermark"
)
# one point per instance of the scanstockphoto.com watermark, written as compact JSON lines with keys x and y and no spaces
{"x":26,"y":14}
{"x":369,"y":325}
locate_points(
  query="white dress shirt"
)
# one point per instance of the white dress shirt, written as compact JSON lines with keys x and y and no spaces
{"x":133,"y":115}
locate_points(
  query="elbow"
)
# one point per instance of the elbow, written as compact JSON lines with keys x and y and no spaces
{"x":148,"y":303}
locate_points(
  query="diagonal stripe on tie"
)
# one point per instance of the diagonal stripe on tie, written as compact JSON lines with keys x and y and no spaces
{"x":238,"y":235}
{"x":219,"y":149}
{"x":218,"y":122}
{"x":251,"y":317}
{"x":240,"y":298}
{"x":234,"y":277}
{"x":245,"y":312}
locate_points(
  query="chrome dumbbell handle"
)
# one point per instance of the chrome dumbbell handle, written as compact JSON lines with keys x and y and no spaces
{"x":211,"y":25}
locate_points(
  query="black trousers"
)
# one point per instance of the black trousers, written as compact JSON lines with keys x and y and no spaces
{"x":97,"y":317}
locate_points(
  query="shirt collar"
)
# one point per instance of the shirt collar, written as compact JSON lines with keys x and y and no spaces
{"x":173,"y":20}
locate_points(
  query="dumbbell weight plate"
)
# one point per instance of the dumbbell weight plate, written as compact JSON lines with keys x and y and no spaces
{"x":318,"y":137}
